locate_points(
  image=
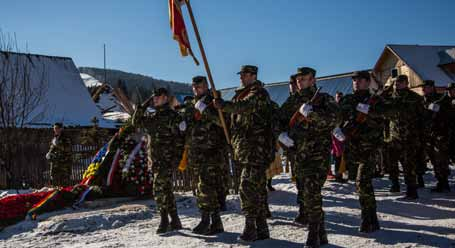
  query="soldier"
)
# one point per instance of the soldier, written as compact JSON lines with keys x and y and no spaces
{"x":287,"y":110}
{"x":251,"y":140}
{"x":436,"y":123}
{"x":362,"y":128}
{"x":309,"y":130}
{"x":206,"y":156}
{"x":406,"y":110}
{"x":451,"y":103}
{"x":60,"y":156}
{"x":165,"y":148}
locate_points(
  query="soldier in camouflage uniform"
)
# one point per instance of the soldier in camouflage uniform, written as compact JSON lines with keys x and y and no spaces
{"x":436,"y":123}
{"x":251,"y":142}
{"x":405,"y":115}
{"x":60,"y":157}
{"x":163,"y":127}
{"x":309,"y":130}
{"x":451,"y":104}
{"x":362,"y":128}
{"x":289,"y":107}
{"x":206,"y":156}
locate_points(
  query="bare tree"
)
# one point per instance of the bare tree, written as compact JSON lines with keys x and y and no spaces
{"x":22,"y":92}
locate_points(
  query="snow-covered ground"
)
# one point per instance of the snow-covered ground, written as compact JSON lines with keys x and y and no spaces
{"x":427,"y":222}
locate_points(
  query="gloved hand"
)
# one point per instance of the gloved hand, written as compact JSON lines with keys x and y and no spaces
{"x":434,"y":107}
{"x":306,"y":109}
{"x":182,"y":126}
{"x":285,"y":139}
{"x":200,"y":106}
{"x":48,"y":156}
{"x":338,"y":134}
{"x":363,"y":108}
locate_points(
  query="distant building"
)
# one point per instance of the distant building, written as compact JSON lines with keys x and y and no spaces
{"x":419,"y":63}
{"x":65,"y":97}
{"x":279,"y":92}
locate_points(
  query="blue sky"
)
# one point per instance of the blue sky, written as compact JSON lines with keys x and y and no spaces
{"x":277,"y":35}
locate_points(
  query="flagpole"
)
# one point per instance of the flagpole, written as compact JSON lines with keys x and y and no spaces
{"x":207,"y":68}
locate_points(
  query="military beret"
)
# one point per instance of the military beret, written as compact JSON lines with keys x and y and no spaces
{"x":199,"y":80}
{"x":429,"y":83}
{"x":160,"y":92}
{"x":248,"y":69}
{"x":402,"y":78}
{"x":361,"y":74}
{"x":305,"y":71}
{"x":451,"y":86}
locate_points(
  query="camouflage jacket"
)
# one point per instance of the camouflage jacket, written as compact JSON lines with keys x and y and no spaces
{"x":313,"y":137}
{"x":370,"y":132}
{"x":60,"y":151}
{"x":251,"y":125}
{"x":436,"y":124}
{"x":205,"y":136}
{"x":405,"y":111}
{"x":165,"y":139}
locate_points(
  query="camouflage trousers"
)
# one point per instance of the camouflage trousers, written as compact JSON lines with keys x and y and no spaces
{"x":60,"y":173}
{"x":210,"y":189}
{"x":163,"y":190}
{"x":365,"y":161}
{"x":406,"y":154}
{"x":312,"y":196}
{"x":438,"y":151}
{"x":252,"y":190}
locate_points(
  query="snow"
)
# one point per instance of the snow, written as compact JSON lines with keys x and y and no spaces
{"x":66,"y":99}
{"x":90,"y":81}
{"x":427,"y":222}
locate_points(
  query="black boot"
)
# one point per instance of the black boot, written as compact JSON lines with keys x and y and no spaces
{"x":313,"y":236}
{"x":269,"y":185}
{"x":301,"y":217}
{"x":322,"y":235}
{"x":262,"y":228}
{"x":395,"y":186}
{"x":420,"y":182}
{"x":249,"y":232}
{"x":203,"y":226}
{"x":164,"y":223}
{"x":175,"y":221}
{"x":222,"y":202}
{"x":217,"y":225}
{"x":369,"y":222}
{"x":411,"y":194}
{"x":442,"y":186}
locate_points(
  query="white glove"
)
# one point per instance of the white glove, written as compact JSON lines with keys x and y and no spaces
{"x":338,"y":134}
{"x":306,"y":109}
{"x":48,"y":156}
{"x":434,"y":107}
{"x":200,"y":105}
{"x":284,"y":138}
{"x":453,"y":102}
{"x":363,"y":108}
{"x":182,"y":126}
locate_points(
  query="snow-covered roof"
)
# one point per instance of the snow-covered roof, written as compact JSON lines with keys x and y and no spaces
{"x":425,"y":61}
{"x":279,"y":92}
{"x":90,"y":81}
{"x":66,"y":99}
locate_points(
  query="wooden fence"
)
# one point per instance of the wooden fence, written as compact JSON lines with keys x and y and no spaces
{"x":31,"y":169}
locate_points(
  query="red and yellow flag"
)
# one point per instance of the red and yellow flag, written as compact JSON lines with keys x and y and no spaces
{"x":179,"y":29}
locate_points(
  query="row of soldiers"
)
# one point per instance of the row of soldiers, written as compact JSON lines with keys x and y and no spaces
{"x":305,"y":126}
